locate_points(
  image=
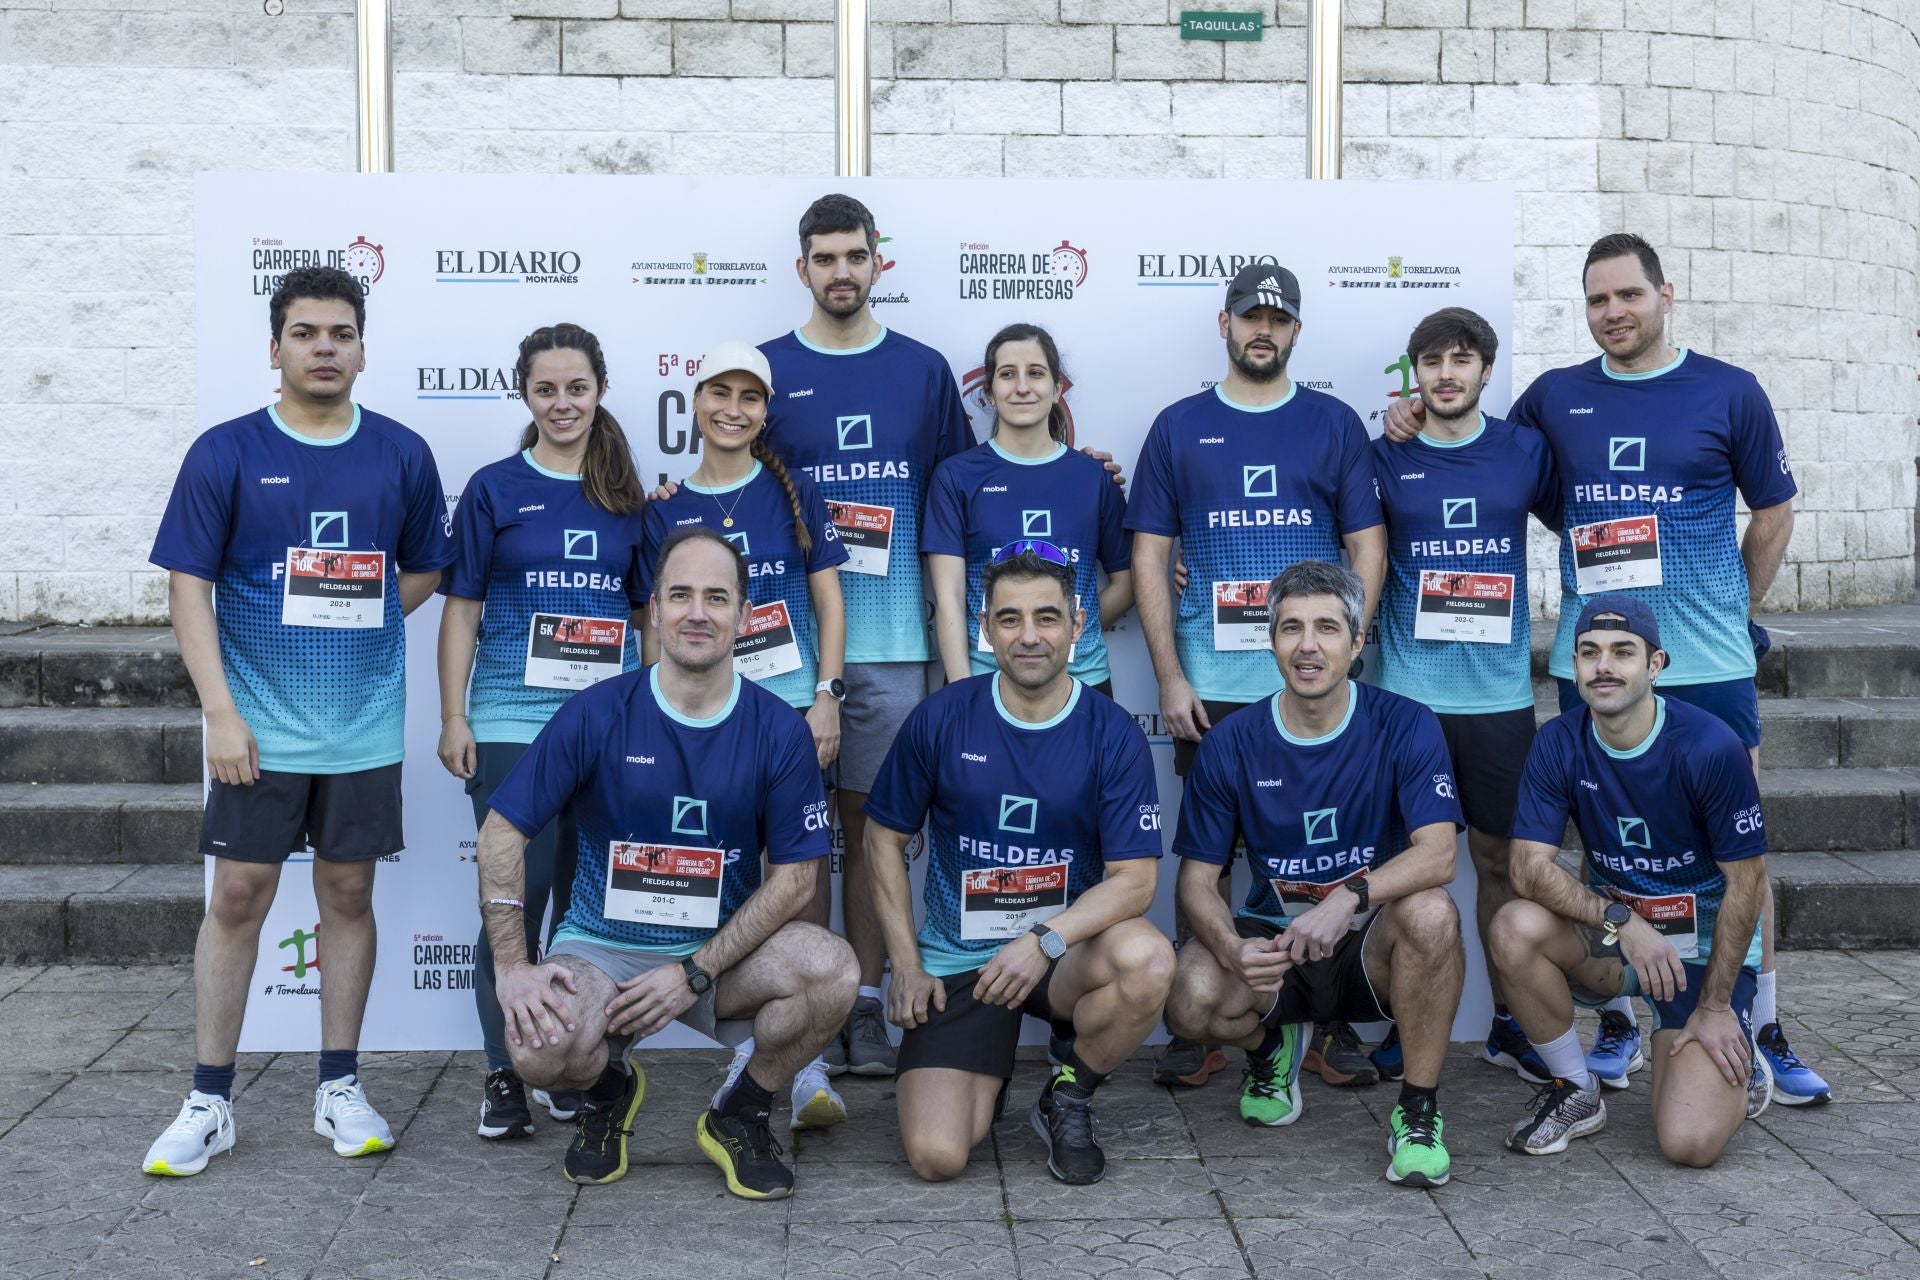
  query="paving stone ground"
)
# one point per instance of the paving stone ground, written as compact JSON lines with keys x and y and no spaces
{"x":95,"y":1061}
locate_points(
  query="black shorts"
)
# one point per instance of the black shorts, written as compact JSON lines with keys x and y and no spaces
{"x":1183,"y":751}
{"x":976,"y":1037}
{"x":345,"y":817}
{"x":1489,"y":753}
{"x":1335,"y":989}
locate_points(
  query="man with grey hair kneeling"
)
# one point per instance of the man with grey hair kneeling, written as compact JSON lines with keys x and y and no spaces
{"x":1345,"y":798}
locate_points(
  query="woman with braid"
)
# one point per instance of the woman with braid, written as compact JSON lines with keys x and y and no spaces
{"x":794,"y":645}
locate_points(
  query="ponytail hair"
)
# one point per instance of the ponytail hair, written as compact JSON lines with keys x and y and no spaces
{"x":607,"y":475}
{"x":761,"y":450}
{"x":1059,"y":424}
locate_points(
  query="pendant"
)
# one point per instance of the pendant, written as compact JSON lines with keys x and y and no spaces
{"x":727,"y":523}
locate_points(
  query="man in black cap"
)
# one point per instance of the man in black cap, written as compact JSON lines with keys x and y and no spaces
{"x":1252,"y":475}
{"x":1666,"y":803}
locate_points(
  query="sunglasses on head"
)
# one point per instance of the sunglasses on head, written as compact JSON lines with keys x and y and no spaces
{"x":1045,"y":550}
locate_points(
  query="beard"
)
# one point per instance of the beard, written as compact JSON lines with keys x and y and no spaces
{"x":1259,"y":372}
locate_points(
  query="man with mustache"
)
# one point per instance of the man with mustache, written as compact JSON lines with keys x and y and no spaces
{"x":1251,"y":475}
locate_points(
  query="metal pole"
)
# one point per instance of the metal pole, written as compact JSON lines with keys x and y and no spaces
{"x":1324,"y":85}
{"x":853,"y":91}
{"x":373,"y":64}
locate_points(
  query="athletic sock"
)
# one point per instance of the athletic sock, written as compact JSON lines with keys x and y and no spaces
{"x":1565,"y":1058}
{"x":746,"y":1095}
{"x":1622,"y":1005}
{"x":1412,"y":1093}
{"x":217,"y":1081}
{"x":335,"y":1063}
{"x":1075,"y":1078}
{"x":869,"y":993}
{"x":1501,"y":1013}
{"x":1270,"y":1042}
{"x":1766,"y":1010}
{"x":612,"y":1083}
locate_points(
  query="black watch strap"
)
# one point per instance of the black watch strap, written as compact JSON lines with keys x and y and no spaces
{"x":697,"y":978}
{"x":1358,"y":883}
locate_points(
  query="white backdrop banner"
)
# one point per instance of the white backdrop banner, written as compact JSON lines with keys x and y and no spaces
{"x":1128,"y":276}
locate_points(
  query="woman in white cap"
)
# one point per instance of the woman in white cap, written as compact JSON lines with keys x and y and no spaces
{"x":795,"y":645}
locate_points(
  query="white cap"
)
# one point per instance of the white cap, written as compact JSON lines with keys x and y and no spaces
{"x":736,"y":357}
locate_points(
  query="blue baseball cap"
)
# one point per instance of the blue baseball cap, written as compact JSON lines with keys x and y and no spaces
{"x":1638,"y":617}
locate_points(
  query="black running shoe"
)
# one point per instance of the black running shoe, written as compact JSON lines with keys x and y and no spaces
{"x":503,"y":1107}
{"x":1064,"y":1122}
{"x":599,"y":1150}
{"x":743,"y":1146}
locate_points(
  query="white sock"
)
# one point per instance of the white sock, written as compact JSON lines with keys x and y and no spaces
{"x":1566,"y":1058}
{"x":1766,"y":1011}
{"x":869,"y":993}
{"x":1622,"y":1005}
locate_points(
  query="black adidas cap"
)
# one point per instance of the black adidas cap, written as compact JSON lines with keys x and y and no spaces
{"x":1264,"y":285}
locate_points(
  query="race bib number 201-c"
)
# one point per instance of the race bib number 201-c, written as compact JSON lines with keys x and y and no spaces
{"x":664,"y":884}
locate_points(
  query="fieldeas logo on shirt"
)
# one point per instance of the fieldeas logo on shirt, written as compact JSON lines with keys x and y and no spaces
{"x":1015,"y":809}
{"x":739,"y":540}
{"x":1036,"y":524}
{"x":689,"y":816}
{"x":1323,"y":825}
{"x":1633,"y":833}
{"x":856,"y":431}
{"x":1460,"y":513}
{"x":1259,"y":482}
{"x":574,"y":539}
{"x":327,"y":529}
{"x":1627,"y":453}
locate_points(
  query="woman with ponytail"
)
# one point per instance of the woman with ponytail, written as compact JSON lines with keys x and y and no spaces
{"x":544,"y":599}
{"x":1026,"y":481}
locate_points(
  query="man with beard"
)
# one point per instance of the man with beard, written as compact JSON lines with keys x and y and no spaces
{"x":1253,"y":475}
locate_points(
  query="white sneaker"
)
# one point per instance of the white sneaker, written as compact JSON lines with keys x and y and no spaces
{"x":741,"y":1054}
{"x":563,"y":1108}
{"x":1759,"y":1085}
{"x":341,"y":1112}
{"x":815,"y":1104}
{"x":202,"y":1130}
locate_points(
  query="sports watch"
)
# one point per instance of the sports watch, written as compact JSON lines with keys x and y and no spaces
{"x":697,"y":978}
{"x":1358,"y":883}
{"x":1617,"y":915}
{"x":1052,"y":945}
{"x":836,"y":686}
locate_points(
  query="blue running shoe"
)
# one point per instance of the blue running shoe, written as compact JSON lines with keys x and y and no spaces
{"x":1616,"y":1050}
{"x":1507,"y":1046}
{"x":1795,"y":1084}
{"x":1386,"y":1057}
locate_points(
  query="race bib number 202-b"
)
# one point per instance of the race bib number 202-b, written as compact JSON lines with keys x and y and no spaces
{"x":321,"y":588}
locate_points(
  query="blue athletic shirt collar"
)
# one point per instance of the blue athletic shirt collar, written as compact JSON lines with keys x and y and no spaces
{"x":878,"y":338}
{"x":733,"y":700}
{"x":340,"y":439}
{"x":1220,"y":390}
{"x":1461,"y":443}
{"x":1632,"y":753}
{"x":1073,"y":700}
{"x":526,"y":456}
{"x":741,"y":483}
{"x":1059,"y":451}
{"x":1642,"y":377}
{"x":1353,"y":700}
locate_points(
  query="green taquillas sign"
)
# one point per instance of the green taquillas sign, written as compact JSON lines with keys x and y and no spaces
{"x":1197,"y":25}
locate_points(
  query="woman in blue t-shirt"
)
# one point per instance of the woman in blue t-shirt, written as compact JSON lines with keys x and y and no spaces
{"x":1026,"y":481}
{"x":543,"y":600}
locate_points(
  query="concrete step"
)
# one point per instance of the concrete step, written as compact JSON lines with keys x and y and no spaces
{"x":101,"y":822}
{"x":99,"y":912}
{"x":1823,"y":733}
{"x":99,"y":744}
{"x":77,"y":666}
{"x":1841,"y":809}
{"x":1846,"y":900}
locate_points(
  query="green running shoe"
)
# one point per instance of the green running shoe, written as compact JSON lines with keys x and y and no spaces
{"x":1413,"y":1140}
{"x":1270,"y":1090}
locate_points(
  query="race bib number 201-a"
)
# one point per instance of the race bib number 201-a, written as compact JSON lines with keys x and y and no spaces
{"x":1612,"y":554}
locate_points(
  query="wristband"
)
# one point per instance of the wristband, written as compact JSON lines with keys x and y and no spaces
{"x":458,"y":715}
{"x":505,"y":902}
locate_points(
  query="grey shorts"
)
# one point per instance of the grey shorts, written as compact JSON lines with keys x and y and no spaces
{"x":879,"y":697}
{"x":622,"y":965}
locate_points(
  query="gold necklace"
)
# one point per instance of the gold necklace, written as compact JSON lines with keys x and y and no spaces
{"x":726,"y":512}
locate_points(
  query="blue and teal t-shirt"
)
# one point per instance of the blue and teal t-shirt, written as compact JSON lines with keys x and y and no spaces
{"x":1657,"y":820}
{"x":365,"y":506}
{"x":528,"y":541}
{"x":1458,"y":509}
{"x":1015,"y":836}
{"x":869,"y":425}
{"x":673,"y":812}
{"x":777,"y":572}
{"x":986,"y":497}
{"x":1248,"y":491}
{"x":1673,"y":444}
{"x":1315,"y":811}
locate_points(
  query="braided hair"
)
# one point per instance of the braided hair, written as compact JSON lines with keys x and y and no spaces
{"x":767,"y":458}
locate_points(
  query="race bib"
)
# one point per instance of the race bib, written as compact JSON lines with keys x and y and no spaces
{"x":572,"y":653}
{"x":768,"y":648}
{"x":1000,"y":903}
{"x":867,"y":533}
{"x":333,"y":588}
{"x":1613,"y":554}
{"x":1473,"y":607}
{"x":1674,"y":916}
{"x":664,"y":884}
{"x":1240,"y":619}
{"x":1297,"y":897}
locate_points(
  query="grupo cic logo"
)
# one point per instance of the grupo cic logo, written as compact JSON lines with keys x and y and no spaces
{"x":991,"y":273}
{"x":271,"y":257}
